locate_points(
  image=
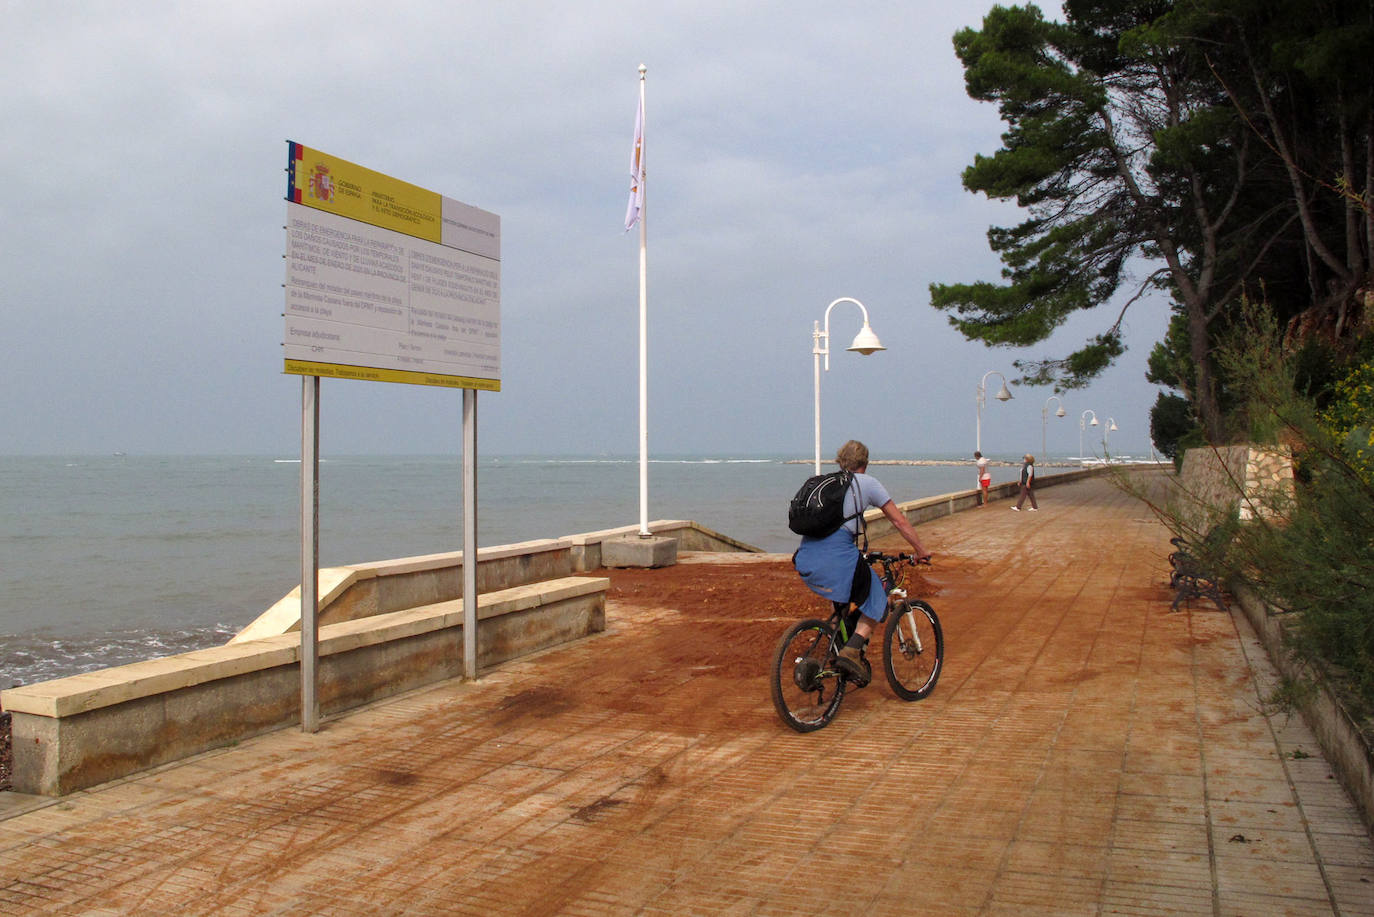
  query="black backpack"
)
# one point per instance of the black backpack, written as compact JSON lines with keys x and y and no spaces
{"x":817,"y":509}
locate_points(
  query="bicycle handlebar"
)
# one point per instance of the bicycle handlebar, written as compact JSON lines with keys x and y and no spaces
{"x":878,"y":556}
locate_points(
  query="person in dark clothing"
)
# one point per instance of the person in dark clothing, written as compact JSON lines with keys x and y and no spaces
{"x":1027,"y":483}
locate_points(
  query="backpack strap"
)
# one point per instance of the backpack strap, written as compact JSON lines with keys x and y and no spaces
{"x":859,"y":514}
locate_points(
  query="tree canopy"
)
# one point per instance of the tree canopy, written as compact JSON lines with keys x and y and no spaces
{"x":1207,"y":149}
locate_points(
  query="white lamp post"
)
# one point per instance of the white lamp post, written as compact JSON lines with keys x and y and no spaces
{"x":1081,"y":418}
{"x":1109,"y":428}
{"x":1044,"y":422}
{"x":865,"y":342}
{"x":1002,"y":395}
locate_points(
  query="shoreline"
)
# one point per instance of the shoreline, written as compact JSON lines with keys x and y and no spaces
{"x":959,"y":463}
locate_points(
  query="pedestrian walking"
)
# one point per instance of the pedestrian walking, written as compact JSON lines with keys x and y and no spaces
{"x":1027,"y":483}
{"x":984,"y":478}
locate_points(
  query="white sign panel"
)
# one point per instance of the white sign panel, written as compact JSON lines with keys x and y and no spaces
{"x":368,"y":302}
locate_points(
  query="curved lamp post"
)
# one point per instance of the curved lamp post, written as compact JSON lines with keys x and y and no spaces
{"x":1109,"y":428}
{"x":1081,"y":418}
{"x":865,"y":342}
{"x":1002,"y":395}
{"x":1045,"y":419}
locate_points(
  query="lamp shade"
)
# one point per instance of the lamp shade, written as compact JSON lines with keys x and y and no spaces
{"x":866,"y":342}
{"x":1003,"y":394}
{"x":1059,"y":413}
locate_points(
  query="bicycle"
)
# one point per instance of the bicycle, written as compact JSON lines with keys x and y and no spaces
{"x":807,"y":686}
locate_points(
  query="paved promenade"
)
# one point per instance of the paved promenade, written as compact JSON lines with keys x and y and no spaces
{"x":1085,"y":752}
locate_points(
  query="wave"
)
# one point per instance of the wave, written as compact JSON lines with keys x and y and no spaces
{"x":36,"y":657}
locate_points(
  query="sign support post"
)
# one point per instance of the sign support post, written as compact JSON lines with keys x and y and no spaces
{"x":310,"y":552}
{"x":470,"y":534}
{"x":385,"y":282}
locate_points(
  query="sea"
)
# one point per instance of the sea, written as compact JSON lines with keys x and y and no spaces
{"x":106,"y":560}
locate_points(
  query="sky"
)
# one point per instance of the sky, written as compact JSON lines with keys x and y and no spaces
{"x":797,"y":153}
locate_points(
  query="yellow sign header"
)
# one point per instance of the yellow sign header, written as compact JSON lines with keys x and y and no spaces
{"x":338,"y":186}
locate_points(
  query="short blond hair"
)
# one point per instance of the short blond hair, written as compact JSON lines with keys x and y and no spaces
{"x":852,"y":456}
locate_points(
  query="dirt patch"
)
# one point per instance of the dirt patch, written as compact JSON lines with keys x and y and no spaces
{"x":703,"y":664}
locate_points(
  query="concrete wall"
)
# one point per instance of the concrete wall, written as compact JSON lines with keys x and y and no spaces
{"x":1342,"y":741}
{"x":71,"y":733}
{"x":362,"y":590}
{"x":927,"y":508}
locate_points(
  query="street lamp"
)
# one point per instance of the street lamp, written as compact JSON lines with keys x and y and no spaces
{"x":865,"y":342}
{"x":1044,"y":421}
{"x":1002,"y":395}
{"x":1080,"y":430}
{"x":1109,"y":428}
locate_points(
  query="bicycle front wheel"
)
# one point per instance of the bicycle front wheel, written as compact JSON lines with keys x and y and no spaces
{"x":913,"y":649}
{"x":807,"y":689}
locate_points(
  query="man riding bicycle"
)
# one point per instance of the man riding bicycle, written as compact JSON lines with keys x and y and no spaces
{"x":834,"y":569}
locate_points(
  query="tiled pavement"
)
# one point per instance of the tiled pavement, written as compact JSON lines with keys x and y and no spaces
{"x":1086,"y":752}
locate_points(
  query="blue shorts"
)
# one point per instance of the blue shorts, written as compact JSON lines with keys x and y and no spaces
{"x":828,"y":566}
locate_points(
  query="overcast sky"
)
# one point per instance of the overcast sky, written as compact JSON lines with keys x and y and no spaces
{"x":797,"y":152}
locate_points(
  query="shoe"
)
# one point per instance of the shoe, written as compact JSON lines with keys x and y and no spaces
{"x":851,"y":662}
{"x":1034,"y":509}
{"x":1016,"y":509}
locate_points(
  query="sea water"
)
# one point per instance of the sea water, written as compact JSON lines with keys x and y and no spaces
{"x":113,"y":559}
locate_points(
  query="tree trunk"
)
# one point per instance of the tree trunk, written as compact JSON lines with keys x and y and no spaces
{"x":1205,"y":385}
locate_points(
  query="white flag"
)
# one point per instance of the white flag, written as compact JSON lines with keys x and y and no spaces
{"x":632,"y":212}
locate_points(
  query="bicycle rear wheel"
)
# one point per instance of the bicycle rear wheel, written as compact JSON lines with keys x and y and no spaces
{"x":913,"y":649}
{"x":806,"y":688}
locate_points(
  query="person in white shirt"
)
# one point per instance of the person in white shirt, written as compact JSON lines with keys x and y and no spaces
{"x":984,"y":478}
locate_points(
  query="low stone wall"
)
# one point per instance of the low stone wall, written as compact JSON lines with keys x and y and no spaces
{"x":1343,"y":743}
{"x":927,"y":508}
{"x":72,"y":733}
{"x":362,"y":590}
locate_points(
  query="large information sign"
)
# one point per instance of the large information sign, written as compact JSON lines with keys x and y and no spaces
{"x":386,"y":281}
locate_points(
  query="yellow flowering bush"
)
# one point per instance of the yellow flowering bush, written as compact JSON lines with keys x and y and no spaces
{"x":1350,"y":417}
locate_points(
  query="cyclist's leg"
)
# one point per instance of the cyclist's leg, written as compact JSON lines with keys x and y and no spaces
{"x":867,"y":594}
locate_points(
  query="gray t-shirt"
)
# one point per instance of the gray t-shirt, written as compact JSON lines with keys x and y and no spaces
{"x":866,"y":491}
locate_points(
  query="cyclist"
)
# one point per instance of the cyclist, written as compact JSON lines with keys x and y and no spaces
{"x":834,"y":569}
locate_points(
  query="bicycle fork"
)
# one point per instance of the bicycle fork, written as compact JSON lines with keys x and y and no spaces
{"x":909,"y":637}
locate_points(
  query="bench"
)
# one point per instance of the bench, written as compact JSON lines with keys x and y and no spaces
{"x":1192,"y":576}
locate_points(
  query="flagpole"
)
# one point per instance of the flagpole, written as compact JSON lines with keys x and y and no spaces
{"x":643,"y":327}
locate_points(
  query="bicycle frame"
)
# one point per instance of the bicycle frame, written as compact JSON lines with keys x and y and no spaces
{"x":807,"y":685}
{"x":893,"y":579}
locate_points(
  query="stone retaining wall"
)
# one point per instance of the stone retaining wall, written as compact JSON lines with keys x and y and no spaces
{"x":75,"y":732}
{"x":1343,"y":743}
{"x":1242,"y":481}
{"x":378,"y":587}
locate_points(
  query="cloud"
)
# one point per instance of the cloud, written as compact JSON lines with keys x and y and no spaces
{"x":797,"y":152}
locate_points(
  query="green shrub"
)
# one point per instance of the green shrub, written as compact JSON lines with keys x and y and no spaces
{"x":1310,"y":551}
